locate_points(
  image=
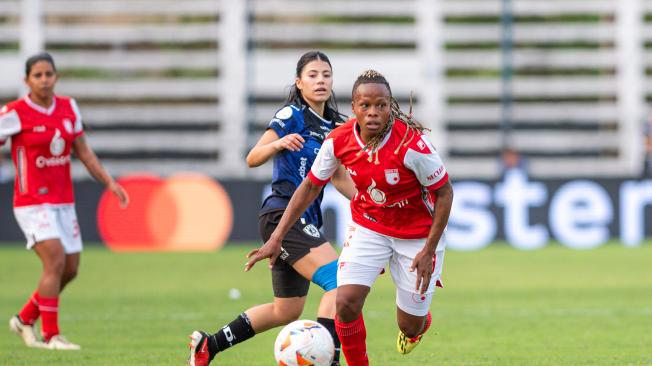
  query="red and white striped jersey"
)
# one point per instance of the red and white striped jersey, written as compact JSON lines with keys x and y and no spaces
{"x":394,"y":189}
{"x":41,"y":143}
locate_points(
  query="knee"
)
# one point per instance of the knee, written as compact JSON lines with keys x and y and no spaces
{"x":348,"y":308}
{"x":55,"y":266}
{"x":69,"y":274}
{"x":410,"y":328}
{"x":287,"y":315}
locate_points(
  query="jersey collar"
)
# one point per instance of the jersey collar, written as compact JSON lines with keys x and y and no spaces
{"x":318,"y":116}
{"x":38,"y":108}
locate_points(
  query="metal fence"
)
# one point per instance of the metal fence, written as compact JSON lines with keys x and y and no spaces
{"x":169,"y":85}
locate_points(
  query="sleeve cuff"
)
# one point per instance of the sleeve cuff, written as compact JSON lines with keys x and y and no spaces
{"x":439,"y":184}
{"x":316,"y":180}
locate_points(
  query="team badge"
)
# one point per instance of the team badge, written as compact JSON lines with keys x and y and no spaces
{"x":67,"y":124}
{"x":284,"y":113}
{"x":57,"y":144}
{"x":311,"y":230}
{"x":376,"y":194}
{"x":391,"y":176}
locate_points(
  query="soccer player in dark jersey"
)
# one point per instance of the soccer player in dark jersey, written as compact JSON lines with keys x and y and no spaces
{"x":399,"y":213}
{"x":293,"y":138}
{"x":45,"y":129}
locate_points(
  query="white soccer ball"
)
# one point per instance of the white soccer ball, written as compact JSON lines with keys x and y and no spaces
{"x":304,"y":342}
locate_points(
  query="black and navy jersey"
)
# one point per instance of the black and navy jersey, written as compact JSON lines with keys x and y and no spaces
{"x":291,"y":167}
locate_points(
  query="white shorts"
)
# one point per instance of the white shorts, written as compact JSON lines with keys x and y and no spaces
{"x":44,"y":222}
{"x":365,"y":255}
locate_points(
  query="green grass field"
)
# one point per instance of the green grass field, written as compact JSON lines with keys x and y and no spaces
{"x":500,"y":306}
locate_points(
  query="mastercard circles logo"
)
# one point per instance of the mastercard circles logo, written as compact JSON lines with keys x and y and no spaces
{"x":185,"y":212}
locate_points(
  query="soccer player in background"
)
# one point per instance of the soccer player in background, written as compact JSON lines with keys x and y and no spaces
{"x":293,"y":138}
{"x":45,"y":129}
{"x":399,"y":214}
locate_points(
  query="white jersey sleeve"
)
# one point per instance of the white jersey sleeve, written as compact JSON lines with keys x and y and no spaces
{"x":325,"y":164}
{"x":426,"y":165}
{"x":78,"y":126}
{"x":9,"y":123}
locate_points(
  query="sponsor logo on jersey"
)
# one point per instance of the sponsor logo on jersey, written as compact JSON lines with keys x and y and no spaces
{"x":391,"y":176}
{"x":311,"y":230}
{"x":67,"y":124}
{"x":57,"y":144}
{"x":376,"y":194}
{"x":302,"y":167}
{"x":437,"y":173}
{"x":316,"y":135}
{"x":38,"y":129}
{"x":42,"y":162}
{"x":400,"y":204}
{"x":351,"y":172}
{"x":284,"y":113}
{"x":278,"y":122}
{"x":421,"y":144}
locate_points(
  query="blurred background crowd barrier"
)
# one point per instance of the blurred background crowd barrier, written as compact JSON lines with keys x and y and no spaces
{"x":167,"y":86}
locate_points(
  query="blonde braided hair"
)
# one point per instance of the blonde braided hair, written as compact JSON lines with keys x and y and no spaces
{"x":414,"y":127}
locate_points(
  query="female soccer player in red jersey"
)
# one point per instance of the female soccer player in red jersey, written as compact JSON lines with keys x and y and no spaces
{"x":292,"y":139}
{"x":45,"y":129}
{"x":399,"y":214}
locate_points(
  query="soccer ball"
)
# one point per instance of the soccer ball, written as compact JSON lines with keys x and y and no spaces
{"x":304,"y":343}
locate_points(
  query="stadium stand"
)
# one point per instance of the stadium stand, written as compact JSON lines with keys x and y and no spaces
{"x":166,"y":85}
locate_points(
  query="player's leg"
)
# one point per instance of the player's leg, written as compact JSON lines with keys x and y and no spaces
{"x":320,"y":267}
{"x":412,"y":308}
{"x":70,"y":269}
{"x":290,"y":290}
{"x":39,"y":225}
{"x":364,"y":256}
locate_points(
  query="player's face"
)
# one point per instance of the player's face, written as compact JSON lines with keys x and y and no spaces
{"x":41,"y":79}
{"x":316,"y":82}
{"x":371,"y":106}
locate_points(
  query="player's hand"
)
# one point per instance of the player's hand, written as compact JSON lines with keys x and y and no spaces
{"x":291,"y":142}
{"x":271,"y":249}
{"x":120,"y":192}
{"x":422,"y":263}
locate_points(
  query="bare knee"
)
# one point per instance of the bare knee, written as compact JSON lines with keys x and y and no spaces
{"x":287,"y":314}
{"x":68,"y":275}
{"x":348,"y":306}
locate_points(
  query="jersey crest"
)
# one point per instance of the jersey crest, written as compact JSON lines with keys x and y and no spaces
{"x":391,"y":176}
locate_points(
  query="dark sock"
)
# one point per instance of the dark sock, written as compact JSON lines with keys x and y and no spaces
{"x":239,"y":330}
{"x":330,"y":325}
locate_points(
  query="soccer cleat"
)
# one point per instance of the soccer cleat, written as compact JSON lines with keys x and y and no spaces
{"x":199,"y":355}
{"x":405,"y":345}
{"x":59,"y":342}
{"x":25,"y":331}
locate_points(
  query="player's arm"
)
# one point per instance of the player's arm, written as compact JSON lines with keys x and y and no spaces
{"x":320,"y":173}
{"x":301,"y":199}
{"x":269,"y":144}
{"x":343,"y":183}
{"x":96,"y":170}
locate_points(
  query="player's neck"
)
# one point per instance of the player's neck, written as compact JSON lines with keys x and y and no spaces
{"x":319,"y":108}
{"x":41,"y":101}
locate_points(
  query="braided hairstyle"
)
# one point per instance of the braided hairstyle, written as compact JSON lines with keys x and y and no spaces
{"x":414,"y":127}
{"x":331,"y":112}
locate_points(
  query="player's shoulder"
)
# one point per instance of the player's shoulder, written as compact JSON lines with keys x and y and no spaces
{"x":13,"y":105}
{"x":417,"y":140}
{"x":64,"y":100}
{"x":287,"y":112}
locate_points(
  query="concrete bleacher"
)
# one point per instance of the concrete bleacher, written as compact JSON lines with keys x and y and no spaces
{"x":166,"y":85}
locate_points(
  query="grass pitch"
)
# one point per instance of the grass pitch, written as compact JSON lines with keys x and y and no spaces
{"x":500,"y":306}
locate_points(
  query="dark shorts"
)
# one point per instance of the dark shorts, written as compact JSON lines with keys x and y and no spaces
{"x":287,"y":282}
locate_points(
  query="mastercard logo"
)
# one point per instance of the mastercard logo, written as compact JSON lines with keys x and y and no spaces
{"x":185,"y":212}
